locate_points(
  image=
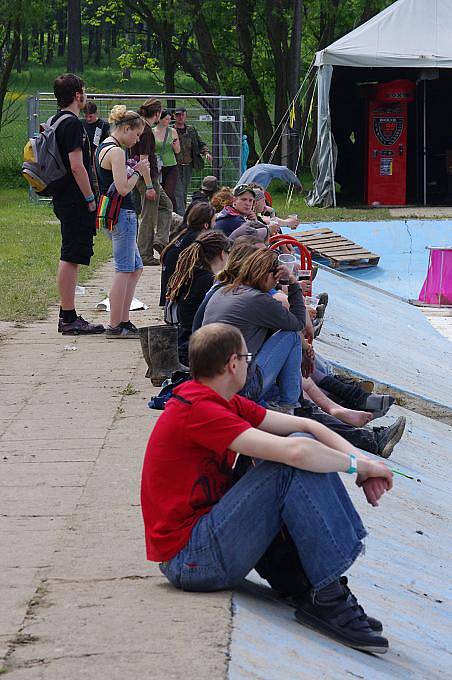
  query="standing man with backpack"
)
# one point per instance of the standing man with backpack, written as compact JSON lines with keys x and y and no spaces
{"x":73,"y":201}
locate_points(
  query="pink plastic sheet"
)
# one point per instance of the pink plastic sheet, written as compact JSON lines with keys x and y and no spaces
{"x":437,"y":288}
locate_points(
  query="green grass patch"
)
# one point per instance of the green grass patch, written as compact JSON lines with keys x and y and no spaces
{"x":298,"y":205}
{"x":29,"y":254}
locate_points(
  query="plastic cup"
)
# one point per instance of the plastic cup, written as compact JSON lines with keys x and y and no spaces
{"x":289,"y":261}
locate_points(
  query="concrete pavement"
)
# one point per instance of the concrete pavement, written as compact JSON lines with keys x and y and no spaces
{"x":78,"y":599}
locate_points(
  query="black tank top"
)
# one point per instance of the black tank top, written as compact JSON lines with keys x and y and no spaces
{"x":105,"y":177}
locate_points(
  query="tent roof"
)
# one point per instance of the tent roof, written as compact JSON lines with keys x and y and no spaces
{"x":408,"y":33}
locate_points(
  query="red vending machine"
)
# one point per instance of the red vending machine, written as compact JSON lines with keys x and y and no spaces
{"x":387,"y":143}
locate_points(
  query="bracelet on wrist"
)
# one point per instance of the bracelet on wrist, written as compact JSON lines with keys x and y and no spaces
{"x":149,"y":186}
{"x":353,"y":464}
{"x":89,"y":199}
{"x":135,"y":172}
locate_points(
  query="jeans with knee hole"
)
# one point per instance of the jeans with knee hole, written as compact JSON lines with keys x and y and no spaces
{"x":227,"y":543}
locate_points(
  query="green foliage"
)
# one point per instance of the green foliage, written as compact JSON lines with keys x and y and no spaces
{"x":133,"y":56}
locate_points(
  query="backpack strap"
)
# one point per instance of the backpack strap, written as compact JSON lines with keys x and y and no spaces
{"x":54,"y":125}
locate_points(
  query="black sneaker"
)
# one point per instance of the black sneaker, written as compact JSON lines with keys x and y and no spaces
{"x":121,"y":333}
{"x":81,"y":327}
{"x":387,"y":437}
{"x":129,"y":325}
{"x":335,"y":612}
{"x":375,"y":624}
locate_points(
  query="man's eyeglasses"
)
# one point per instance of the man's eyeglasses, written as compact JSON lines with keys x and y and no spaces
{"x":248,"y":357}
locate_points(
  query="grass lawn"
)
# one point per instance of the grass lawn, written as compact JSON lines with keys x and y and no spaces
{"x":29,"y":254}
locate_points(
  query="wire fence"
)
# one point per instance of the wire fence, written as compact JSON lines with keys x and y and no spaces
{"x":218,"y":120}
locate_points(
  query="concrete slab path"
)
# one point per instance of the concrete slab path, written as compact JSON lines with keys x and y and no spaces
{"x":78,"y":599}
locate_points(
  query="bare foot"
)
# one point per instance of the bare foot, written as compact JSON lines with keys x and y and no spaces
{"x":347,"y":415}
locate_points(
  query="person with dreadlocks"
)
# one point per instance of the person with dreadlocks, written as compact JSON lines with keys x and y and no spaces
{"x":199,"y":217}
{"x":193,"y":277}
{"x":242,"y":248}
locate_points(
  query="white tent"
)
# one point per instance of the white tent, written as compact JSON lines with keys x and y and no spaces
{"x":408,"y":34}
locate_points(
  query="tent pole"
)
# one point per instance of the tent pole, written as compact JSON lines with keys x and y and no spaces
{"x":425,"y":142}
{"x":332,"y":168}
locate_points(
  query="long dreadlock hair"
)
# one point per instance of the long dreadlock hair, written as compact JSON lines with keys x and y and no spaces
{"x":196,"y":217}
{"x":209,"y":245}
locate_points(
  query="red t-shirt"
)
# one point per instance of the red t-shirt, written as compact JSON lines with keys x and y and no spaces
{"x":188,"y":466}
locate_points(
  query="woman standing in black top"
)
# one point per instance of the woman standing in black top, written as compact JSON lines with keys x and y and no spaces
{"x":200,"y":217}
{"x":126,"y":127}
{"x":193,"y":277}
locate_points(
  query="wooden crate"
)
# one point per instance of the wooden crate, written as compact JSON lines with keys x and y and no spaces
{"x":340,"y":252}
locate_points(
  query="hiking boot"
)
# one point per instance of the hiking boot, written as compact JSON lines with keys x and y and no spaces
{"x":387,"y":437}
{"x":121,"y":333}
{"x":323,"y":299}
{"x":334,"y":611}
{"x":378,"y":404}
{"x":375,"y":624}
{"x":80,"y":327}
{"x":158,"y":247}
{"x":366,"y":385}
{"x":151,"y":262}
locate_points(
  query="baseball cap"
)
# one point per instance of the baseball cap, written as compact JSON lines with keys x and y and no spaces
{"x":180,"y":109}
{"x":209,"y":183}
{"x":243,"y":189}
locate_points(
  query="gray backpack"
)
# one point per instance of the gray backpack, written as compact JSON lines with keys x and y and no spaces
{"x":43,"y":167}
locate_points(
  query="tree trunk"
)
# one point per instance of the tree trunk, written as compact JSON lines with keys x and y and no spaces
{"x":60,"y":17}
{"x":91,"y":30}
{"x":8,"y":64}
{"x":107,"y":43}
{"x":50,"y":46}
{"x":74,"y":30}
{"x":293,"y":82}
{"x":97,"y":45}
{"x":24,"y":47}
{"x":263,"y":122}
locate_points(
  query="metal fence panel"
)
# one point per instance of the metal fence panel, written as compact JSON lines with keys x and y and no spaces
{"x":218,"y":120}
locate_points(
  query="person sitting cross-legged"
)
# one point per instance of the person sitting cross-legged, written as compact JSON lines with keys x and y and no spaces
{"x":208,"y":534}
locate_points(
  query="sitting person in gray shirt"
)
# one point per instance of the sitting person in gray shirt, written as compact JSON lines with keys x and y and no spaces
{"x":271,"y":332}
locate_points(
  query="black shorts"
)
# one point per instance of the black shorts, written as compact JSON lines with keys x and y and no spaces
{"x":78,"y":228}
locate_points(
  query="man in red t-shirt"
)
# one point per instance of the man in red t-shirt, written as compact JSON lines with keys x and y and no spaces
{"x":208,"y":533}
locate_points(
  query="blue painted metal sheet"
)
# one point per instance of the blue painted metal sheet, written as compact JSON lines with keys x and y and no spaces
{"x":383,"y":337}
{"x":403,"y":579}
{"x":402,"y":249}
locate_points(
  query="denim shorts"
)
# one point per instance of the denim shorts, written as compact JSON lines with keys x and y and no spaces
{"x":126,"y":255}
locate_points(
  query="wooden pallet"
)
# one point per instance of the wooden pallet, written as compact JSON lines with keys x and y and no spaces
{"x":338,"y":250}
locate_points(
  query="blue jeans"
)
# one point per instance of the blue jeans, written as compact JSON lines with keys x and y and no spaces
{"x":126,"y":255}
{"x":279,"y":360}
{"x":227,"y":543}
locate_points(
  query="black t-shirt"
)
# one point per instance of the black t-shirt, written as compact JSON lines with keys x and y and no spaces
{"x":187,"y":306}
{"x":97,"y":132}
{"x":71,"y":135}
